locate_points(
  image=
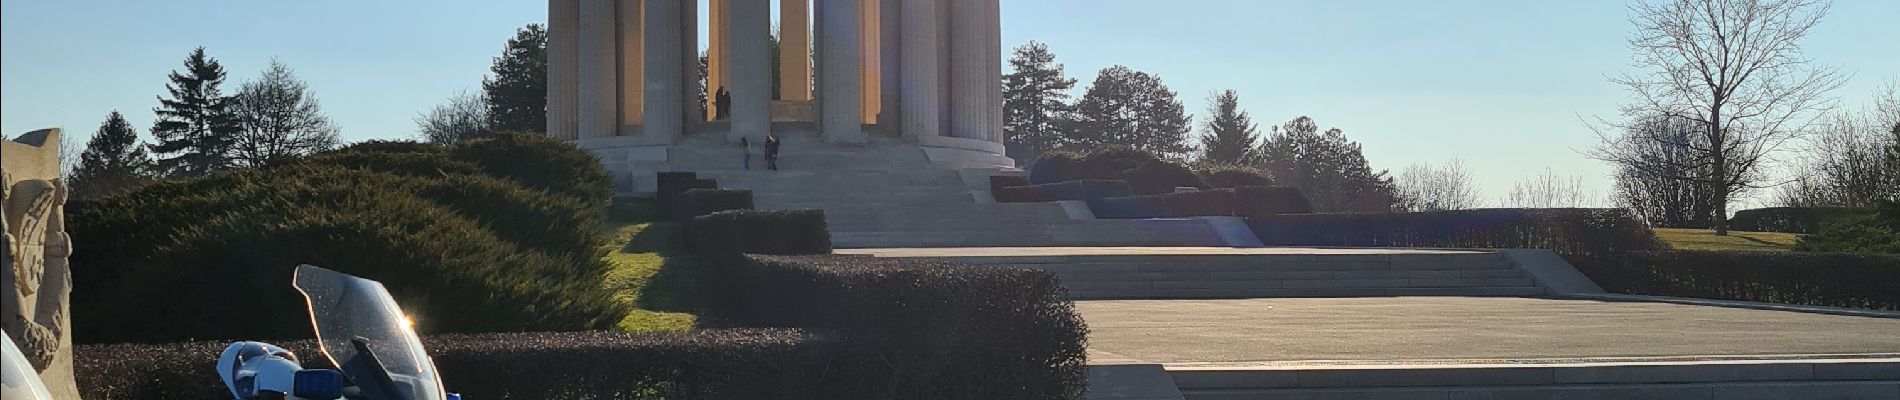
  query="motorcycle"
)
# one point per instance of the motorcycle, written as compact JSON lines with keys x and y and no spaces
{"x":359,"y":329}
{"x":18,"y":380}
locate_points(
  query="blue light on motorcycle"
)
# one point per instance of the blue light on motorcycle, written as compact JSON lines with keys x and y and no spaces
{"x":454,"y":396}
{"x":318,"y":384}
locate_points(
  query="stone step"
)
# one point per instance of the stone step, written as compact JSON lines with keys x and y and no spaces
{"x":1696,"y":380}
{"x":1129,"y":294}
{"x":1325,"y":283}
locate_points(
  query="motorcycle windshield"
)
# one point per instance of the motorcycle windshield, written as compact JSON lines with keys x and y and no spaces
{"x":18,"y":380}
{"x":352,"y":315}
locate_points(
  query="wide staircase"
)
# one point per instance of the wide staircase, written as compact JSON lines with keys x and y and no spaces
{"x":1664,"y":380}
{"x":886,"y":194}
{"x":1243,"y":273}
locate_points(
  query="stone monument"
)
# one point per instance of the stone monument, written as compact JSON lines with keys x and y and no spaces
{"x":912,"y":76}
{"x":37,"y":280}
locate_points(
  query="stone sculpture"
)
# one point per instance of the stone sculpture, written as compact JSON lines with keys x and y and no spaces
{"x":37,"y":281}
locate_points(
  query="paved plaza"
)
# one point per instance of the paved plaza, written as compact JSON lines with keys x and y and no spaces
{"x":1318,"y":331}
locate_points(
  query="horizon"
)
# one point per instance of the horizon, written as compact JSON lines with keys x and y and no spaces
{"x":1504,"y":86}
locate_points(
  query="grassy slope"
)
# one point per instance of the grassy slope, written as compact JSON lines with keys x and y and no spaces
{"x":651,"y":272}
{"x":1705,"y":240}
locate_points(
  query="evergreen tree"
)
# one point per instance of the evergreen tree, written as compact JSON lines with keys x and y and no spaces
{"x":1328,"y":168}
{"x":518,"y":90}
{"x":1035,"y":100}
{"x":280,"y":118}
{"x":1230,"y":132}
{"x":114,"y":161}
{"x":1131,"y":108}
{"x":195,"y":128}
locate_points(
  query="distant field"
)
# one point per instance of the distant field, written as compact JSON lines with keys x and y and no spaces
{"x":1706,"y":240}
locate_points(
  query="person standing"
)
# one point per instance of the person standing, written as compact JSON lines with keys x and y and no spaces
{"x":745,"y":149}
{"x":722,"y":101}
{"x":772,"y":152}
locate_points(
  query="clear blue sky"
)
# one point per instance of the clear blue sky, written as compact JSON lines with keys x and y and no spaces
{"x":1498,"y":83}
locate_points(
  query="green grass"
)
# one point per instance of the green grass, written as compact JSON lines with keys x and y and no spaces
{"x":1706,"y":240}
{"x":651,"y":272}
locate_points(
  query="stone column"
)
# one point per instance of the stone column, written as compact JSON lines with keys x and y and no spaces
{"x":890,"y":38}
{"x":840,"y":30}
{"x":794,"y":50}
{"x":993,"y":19}
{"x":563,"y":23}
{"x":600,"y":88}
{"x":920,"y":91}
{"x":661,"y":40}
{"x":632,"y":66}
{"x":718,"y":52}
{"x":969,"y":79}
{"x":687,"y":44}
{"x":749,"y":73}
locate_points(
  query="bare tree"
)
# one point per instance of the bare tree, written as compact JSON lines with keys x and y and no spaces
{"x":1735,"y":68}
{"x":1423,"y":187}
{"x":464,"y":117}
{"x":1848,"y":163}
{"x":279,"y":117}
{"x":1548,"y":190}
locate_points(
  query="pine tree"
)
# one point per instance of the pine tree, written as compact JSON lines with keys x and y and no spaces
{"x":518,"y":89}
{"x":1230,"y":132}
{"x":114,"y":161}
{"x":280,"y":118}
{"x":1035,"y":100}
{"x":195,"y":128}
{"x":1328,"y":168}
{"x":1132,"y":108}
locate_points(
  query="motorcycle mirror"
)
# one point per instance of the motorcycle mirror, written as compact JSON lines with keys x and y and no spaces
{"x":317,"y":384}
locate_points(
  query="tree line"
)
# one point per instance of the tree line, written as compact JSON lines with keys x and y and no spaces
{"x":200,"y":130}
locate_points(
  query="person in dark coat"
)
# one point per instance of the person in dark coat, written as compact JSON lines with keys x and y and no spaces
{"x":723,"y":102}
{"x":771,"y":152}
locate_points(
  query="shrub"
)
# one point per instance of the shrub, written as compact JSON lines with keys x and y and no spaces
{"x":1261,"y":201}
{"x":1206,"y":203}
{"x":469,"y":251}
{"x":539,"y":162}
{"x":707,"y":364}
{"x":1820,"y":279}
{"x":1087,"y":190}
{"x":1111,"y":162}
{"x":1877,"y":232}
{"x":784,"y":232}
{"x":1792,"y":219}
{"x":1227,"y":176}
{"x":1567,"y":231}
{"x":998,"y":182}
{"x":377,"y":146}
{"x":1161,"y":177}
{"x":942,"y":331}
{"x":699,"y":202}
{"x":1055,"y":166}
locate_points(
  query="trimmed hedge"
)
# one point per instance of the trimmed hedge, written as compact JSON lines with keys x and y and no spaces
{"x":1091,"y":190}
{"x":1145,"y":171}
{"x":1261,"y":201}
{"x":1792,"y":219}
{"x":1821,"y":279}
{"x":669,"y":186}
{"x":697,"y":202}
{"x":998,"y":182}
{"x":1205,"y":203}
{"x":1567,"y":231}
{"x":707,"y":364}
{"x":783,"y":232}
{"x":1246,"y":201}
{"x":539,"y":162}
{"x":935,"y":330}
{"x":1227,"y":176}
{"x":677,"y":209}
